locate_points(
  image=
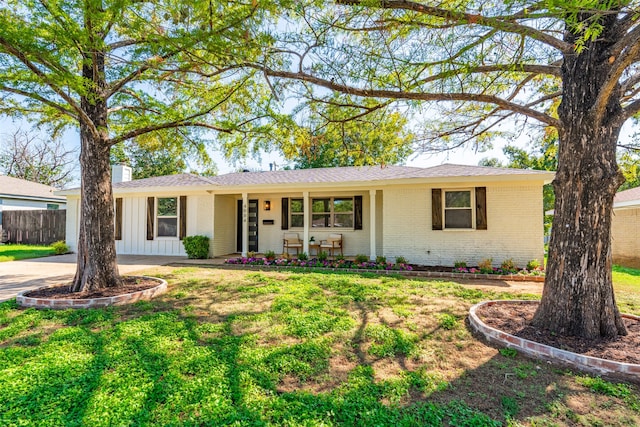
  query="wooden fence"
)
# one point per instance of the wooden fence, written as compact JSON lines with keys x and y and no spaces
{"x":35,"y":227}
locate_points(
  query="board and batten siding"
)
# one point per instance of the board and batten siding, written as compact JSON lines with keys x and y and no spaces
{"x":134,"y":226}
{"x":625,"y":237}
{"x":515,"y":227}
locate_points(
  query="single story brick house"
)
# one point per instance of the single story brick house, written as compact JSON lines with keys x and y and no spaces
{"x":625,"y":228}
{"x":430,"y":216}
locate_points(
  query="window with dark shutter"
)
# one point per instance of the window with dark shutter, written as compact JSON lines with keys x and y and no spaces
{"x":285,"y":214}
{"x":151,"y":212}
{"x":436,"y":209}
{"x":183,"y":217}
{"x":118,"y":214}
{"x":481,"y":208}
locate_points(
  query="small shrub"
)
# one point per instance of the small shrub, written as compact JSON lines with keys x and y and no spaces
{"x":534,"y":264}
{"x":302,"y":256}
{"x":508,"y":352}
{"x":339,"y":257}
{"x":381,"y":259}
{"x":197,"y":247}
{"x":270,"y":255}
{"x":322,"y":256}
{"x":485,"y":265}
{"x":509,"y":265}
{"x":251,"y":254}
{"x":361,"y":258}
{"x":460,"y":264}
{"x":285,"y":255}
{"x":60,"y":247}
{"x":401,"y":260}
{"x":447,"y":321}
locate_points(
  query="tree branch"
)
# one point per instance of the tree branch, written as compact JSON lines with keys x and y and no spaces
{"x":504,"y":23}
{"x":416,"y":96}
{"x":39,"y":98}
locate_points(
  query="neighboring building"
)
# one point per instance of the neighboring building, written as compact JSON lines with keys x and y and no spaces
{"x":625,"y":228}
{"x":431,"y":216}
{"x":20,"y":194}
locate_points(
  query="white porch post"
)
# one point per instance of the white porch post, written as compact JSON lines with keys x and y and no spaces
{"x":372,"y":224}
{"x":245,"y":224}
{"x":307,"y":215}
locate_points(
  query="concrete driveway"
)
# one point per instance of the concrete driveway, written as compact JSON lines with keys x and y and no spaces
{"x":18,"y":276}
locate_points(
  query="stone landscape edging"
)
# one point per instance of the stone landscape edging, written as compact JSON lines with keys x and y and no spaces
{"x":146,"y":294}
{"x":407,"y":273}
{"x":594,"y":365}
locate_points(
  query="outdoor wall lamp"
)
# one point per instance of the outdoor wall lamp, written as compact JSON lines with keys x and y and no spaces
{"x":267,"y":205}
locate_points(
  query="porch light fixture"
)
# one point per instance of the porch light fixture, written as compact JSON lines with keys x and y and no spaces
{"x":267,"y":205}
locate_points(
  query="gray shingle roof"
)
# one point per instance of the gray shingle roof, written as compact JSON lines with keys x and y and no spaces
{"x":363,"y":173}
{"x":179,"y":180}
{"x":627,"y":195}
{"x":17,"y":187}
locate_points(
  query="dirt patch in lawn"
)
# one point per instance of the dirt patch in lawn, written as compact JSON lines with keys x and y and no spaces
{"x":515,"y":319}
{"x":129,"y":285}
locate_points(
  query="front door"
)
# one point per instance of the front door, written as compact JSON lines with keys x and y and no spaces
{"x":252,"y":217}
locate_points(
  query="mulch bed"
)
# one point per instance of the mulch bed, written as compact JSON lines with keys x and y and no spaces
{"x":129,"y":285}
{"x":514,"y":319}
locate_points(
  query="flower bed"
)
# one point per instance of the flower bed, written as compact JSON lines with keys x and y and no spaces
{"x":499,"y":271}
{"x":314,"y":263}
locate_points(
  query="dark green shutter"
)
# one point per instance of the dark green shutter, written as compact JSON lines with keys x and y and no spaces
{"x":183,"y":217}
{"x":436,"y":209}
{"x":481,"y":208}
{"x":150,"y":217}
{"x":285,"y":213}
{"x":357,"y":213}
{"x":118,"y":213}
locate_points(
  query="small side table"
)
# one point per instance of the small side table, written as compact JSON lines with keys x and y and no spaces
{"x":313,"y":246}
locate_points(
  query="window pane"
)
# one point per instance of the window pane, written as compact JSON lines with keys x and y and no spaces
{"x":297,"y":205}
{"x":343,"y":205}
{"x":457,"y":218}
{"x":167,"y":227}
{"x":457,"y":199}
{"x":168,"y":206}
{"x":320,"y":220}
{"x":343,"y":220}
{"x":320,"y":205}
{"x":297,"y":220}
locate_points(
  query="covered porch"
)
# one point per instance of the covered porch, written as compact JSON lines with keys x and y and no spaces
{"x":258,"y":221}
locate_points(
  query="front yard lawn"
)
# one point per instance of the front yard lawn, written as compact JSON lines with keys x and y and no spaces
{"x":15,"y":252}
{"x":236,"y":348}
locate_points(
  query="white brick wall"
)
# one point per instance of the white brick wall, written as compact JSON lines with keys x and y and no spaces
{"x":625,"y":237}
{"x":515,"y":228}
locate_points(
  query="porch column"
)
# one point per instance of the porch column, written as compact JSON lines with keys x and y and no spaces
{"x":245,"y":224}
{"x":307,"y":221}
{"x":372,"y":224}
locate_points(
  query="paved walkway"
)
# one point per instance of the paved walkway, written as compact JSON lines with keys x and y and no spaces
{"x":18,"y":276}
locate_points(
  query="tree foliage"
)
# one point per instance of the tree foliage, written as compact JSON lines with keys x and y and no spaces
{"x":337,"y":135}
{"x":26,"y":156}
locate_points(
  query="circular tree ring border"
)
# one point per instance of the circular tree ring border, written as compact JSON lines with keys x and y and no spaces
{"x":594,"y":365}
{"x":146,"y":294}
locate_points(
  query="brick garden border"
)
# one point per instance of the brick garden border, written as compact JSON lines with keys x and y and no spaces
{"x":594,"y":365}
{"x":146,"y":294}
{"x":406,"y":273}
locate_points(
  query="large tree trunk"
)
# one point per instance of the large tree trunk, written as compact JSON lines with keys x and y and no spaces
{"x":97,"y":266}
{"x":578,"y":296}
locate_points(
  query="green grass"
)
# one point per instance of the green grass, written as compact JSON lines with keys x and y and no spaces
{"x":15,"y":252}
{"x":235,"y":348}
